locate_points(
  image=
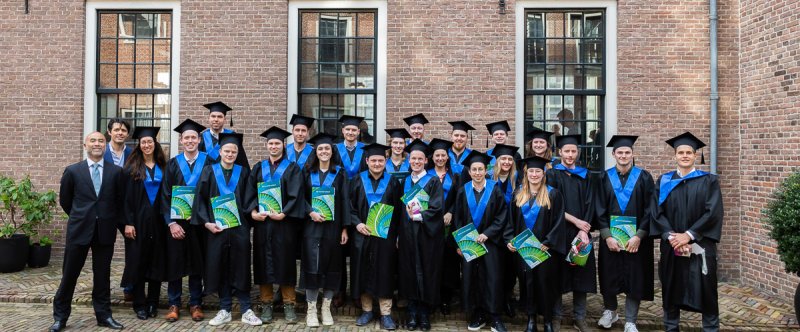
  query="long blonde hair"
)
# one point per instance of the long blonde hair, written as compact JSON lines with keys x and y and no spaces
{"x":524,"y":194}
{"x":511,"y":173}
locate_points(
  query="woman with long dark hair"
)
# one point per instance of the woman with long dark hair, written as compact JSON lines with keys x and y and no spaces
{"x":451,"y":262}
{"x":144,"y":226}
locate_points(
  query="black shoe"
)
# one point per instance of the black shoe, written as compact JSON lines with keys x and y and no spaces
{"x":548,"y":327}
{"x":531,"y":324}
{"x":498,"y":326}
{"x":110,"y":323}
{"x":58,"y":326}
{"x":445,"y":309}
{"x":152,"y":310}
{"x":477,"y":322}
{"x":411,"y":325}
{"x":424,"y":322}
{"x":141,"y":314}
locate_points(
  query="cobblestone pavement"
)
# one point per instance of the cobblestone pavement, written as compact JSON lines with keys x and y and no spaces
{"x":26,"y":297}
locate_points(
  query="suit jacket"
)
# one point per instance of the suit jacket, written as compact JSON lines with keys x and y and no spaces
{"x":87,"y":211}
{"x":110,"y":158}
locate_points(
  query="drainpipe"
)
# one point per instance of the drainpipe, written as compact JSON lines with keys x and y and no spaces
{"x":714,"y":98}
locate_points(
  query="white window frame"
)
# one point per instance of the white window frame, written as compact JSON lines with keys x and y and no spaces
{"x":380,"y":89}
{"x":610,"y":107}
{"x":90,"y":60}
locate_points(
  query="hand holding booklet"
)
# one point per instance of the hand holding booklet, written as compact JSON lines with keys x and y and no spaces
{"x":466,"y":237}
{"x":529,"y":247}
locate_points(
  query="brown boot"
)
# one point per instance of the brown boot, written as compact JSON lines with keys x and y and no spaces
{"x":197,"y":313}
{"x":173,"y":314}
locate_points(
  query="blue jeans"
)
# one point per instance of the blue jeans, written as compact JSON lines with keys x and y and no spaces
{"x":226,"y":302}
{"x":175,"y":291}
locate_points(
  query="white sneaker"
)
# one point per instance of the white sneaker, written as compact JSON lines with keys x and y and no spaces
{"x":631,"y":327}
{"x":609,"y":317}
{"x":222,"y":317}
{"x":249,"y":318}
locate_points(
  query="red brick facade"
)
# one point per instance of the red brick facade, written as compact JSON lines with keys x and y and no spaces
{"x":451,"y":60}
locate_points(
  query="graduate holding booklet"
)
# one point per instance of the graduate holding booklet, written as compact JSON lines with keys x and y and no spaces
{"x":375,"y":215}
{"x":537,"y":217}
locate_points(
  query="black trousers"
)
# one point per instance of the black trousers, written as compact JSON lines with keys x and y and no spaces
{"x":672,"y":319}
{"x":74,"y":259}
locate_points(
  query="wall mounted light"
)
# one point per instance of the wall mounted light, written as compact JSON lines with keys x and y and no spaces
{"x":502,"y":7}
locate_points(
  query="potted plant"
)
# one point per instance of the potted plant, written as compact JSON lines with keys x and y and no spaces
{"x":783,"y":214}
{"x":22,"y":212}
{"x":39,"y":252}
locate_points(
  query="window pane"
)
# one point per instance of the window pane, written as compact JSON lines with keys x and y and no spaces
{"x":125,"y":76}
{"x":593,"y":25}
{"x":555,"y":50}
{"x":107,"y":103}
{"x":593,"y":51}
{"x":126,"y":50}
{"x":535,"y":77}
{"x":366,"y":24}
{"x":144,"y":76}
{"x":162,"y":51}
{"x":535,"y":25}
{"x":328,"y":77}
{"x":349,"y":49}
{"x":308,"y":50}
{"x":366,"y":77}
{"x":127,"y":22}
{"x":536,"y":51}
{"x":555,"y":77}
{"x":308,"y":23}
{"x":308,"y":76}
{"x":594,"y":77}
{"x":572,"y":51}
{"x":161,"y":77}
{"x":108,"y":25}
{"x":144,"y":110}
{"x":126,"y":106}
{"x":347,"y":77}
{"x":163,"y":25}
{"x":574,"y":25}
{"x":555,"y":25}
{"x":365,"y":51}
{"x":347,"y":25}
{"x":108,"y":50}
{"x":144,"y":26}
{"x":162,"y":106}
{"x":144,"y":50}
{"x":573,"y":77}
{"x":593,"y":108}
{"x":534,"y":107}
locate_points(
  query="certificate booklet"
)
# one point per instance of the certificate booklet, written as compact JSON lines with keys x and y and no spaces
{"x":623,"y":228}
{"x":322,"y":201}
{"x":181,"y":204}
{"x":466,"y":239}
{"x":417,"y":199}
{"x":579,"y":253}
{"x":226,"y":211}
{"x":269,"y":197}
{"x":529,"y":247}
{"x":379,"y":219}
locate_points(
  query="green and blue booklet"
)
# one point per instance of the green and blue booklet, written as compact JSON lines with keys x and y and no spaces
{"x":181,"y":203}
{"x":322,"y":202}
{"x":226,"y":211}
{"x":529,"y":247}
{"x":623,"y":228}
{"x":466,"y":238}
{"x":269,"y":197}
{"x":379,"y":219}
{"x":417,"y":199}
{"x":579,"y":252}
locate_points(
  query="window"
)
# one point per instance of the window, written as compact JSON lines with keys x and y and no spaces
{"x":336,"y":71}
{"x":134,"y":69}
{"x":564,"y":66}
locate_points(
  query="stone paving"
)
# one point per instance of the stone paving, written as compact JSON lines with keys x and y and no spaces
{"x":26,"y":297}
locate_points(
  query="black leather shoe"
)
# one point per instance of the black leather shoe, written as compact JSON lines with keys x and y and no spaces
{"x":445,"y":309}
{"x":58,"y":326}
{"x":548,"y":327}
{"x":498,"y":326}
{"x":411,"y":325}
{"x":110,"y":323}
{"x":424,"y":322}
{"x":531,"y":327}
{"x":141,"y":314}
{"x":152,"y":311}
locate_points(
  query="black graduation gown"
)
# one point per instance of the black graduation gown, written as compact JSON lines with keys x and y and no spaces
{"x":540,"y":294}
{"x":695,"y":205}
{"x":241,"y":157}
{"x":373,"y":260}
{"x":144,"y":256}
{"x":183,"y":257}
{"x":276,"y":242}
{"x":623,"y":272}
{"x":420,"y":248}
{"x":510,"y":270}
{"x":321,"y":260}
{"x":451,"y":261}
{"x":578,"y":201}
{"x":227,"y":252}
{"x":482,"y":278}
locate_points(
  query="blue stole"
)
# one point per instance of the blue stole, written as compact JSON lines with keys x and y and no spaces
{"x":292,"y":154}
{"x":476,"y":209}
{"x":191,"y":177}
{"x":328,"y":179}
{"x":151,"y":184}
{"x":404,"y":167}
{"x":455,"y":163}
{"x":374,"y":195}
{"x":422,"y":182}
{"x":579,"y":171}
{"x":265,"y":169}
{"x":530,"y":211}
{"x":623,"y":194}
{"x":351,"y":165}
{"x":212,"y":149}
{"x":509,"y":192}
{"x":229,"y":187}
{"x":667,"y":183}
{"x":447,"y":182}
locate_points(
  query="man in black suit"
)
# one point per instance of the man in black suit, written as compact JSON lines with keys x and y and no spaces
{"x":91,"y":194}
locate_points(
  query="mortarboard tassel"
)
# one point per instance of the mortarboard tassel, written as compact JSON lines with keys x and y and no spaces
{"x":231,"y":120}
{"x":702,"y":158}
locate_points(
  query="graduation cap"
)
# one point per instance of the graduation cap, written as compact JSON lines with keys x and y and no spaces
{"x":461,"y":125}
{"x":538,"y":133}
{"x":351,"y":120}
{"x":322,"y":138}
{"x":231,"y":138}
{"x":218,"y":106}
{"x":440,"y":144}
{"x":534,"y":162}
{"x":398,"y":133}
{"x":375,"y":149}
{"x":688,"y":139}
{"x":189,"y":124}
{"x":477,"y":157}
{"x":275,"y":133}
{"x":504,"y":150}
{"x":417,"y":118}
{"x":298,"y":119}
{"x":418,"y":145}
{"x":499,"y":125}
{"x":567,"y":139}
{"x":141,"y":132}
{"x":618,"y":141}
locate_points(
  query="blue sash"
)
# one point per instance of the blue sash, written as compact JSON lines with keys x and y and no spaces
{"x":374,"y":196}
{"x":292,"y":154}
{"x":212,"y":149}
{"x":476,"y":210}
{"x":623,"y":194}
{"x":530,"y":211}
{"x":404,"y":167}
{"x":328,"y":178}
{"x":191,"y":177}
{"x":455,"y":164}
{"x":229,"y":187}
{"x":151,"y":184}
{"x":351,"y":165}
{"x":509,"y":190}
{"x":579,"y":171}
{"x":667,"y":183}
{"x":422,"y":182}
{"x":447,"y":182}
{"x":265,"y":170}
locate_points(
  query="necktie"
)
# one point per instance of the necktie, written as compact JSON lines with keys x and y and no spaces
{"x":96,"y":178}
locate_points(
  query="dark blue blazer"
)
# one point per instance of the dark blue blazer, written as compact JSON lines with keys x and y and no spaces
{"x":110,"y":158}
